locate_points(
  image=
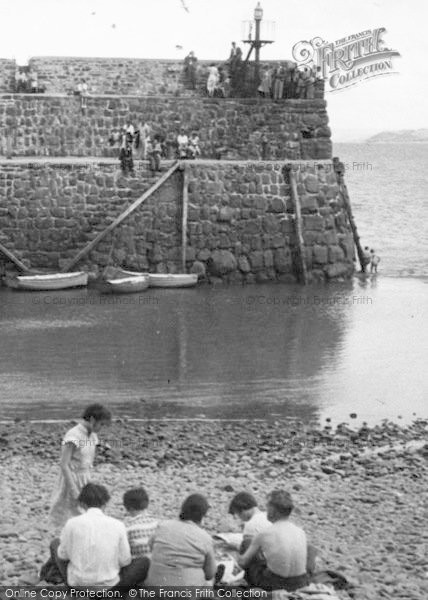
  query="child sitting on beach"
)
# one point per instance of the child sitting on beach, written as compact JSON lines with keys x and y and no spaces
{"x":77,"y":459}
{"x":244,"y":507}
{"x":140,"y":525}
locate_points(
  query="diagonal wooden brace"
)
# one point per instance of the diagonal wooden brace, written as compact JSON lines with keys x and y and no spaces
{"x":120,"y":218}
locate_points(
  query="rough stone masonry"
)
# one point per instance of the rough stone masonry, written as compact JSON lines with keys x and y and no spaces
{"x":240,"y":219}
{"x":63,"y":185}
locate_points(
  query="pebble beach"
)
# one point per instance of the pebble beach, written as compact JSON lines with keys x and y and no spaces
{"x":360,"y":493}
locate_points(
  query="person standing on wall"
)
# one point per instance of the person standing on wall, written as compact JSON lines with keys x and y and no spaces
{"x":34,"y":82}
{"x":295,"y":83}
{"x":144,"y":130}
{"x":232,"y":54}
{"x":182,"y":143}
{"x":278,"y":85}
{"x":265,"y":87}
{"x":21,"y":83}
{"x":237,"y":70}
{"x":141,"y":136}
{"x":301,"y":83}
{"x":190,"y":68}
{"x":310,"y":85}
{"x":82,"y":91}
{"x":125,"y":155}
{"x":213,"y":79}
{"x":288,"y":82}
{"x":154,"y":152}
{"x":234,"y":63}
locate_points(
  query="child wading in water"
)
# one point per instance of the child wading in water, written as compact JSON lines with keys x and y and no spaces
{"x":77,"y":458}
{"x":374,"y":261}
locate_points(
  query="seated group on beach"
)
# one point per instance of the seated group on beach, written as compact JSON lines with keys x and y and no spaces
{"x":96,"y":549}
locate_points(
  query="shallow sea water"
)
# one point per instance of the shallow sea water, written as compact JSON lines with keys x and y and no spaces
{"x":267,"y":351}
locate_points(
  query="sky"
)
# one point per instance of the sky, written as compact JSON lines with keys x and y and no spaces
{"x":154,"y":29}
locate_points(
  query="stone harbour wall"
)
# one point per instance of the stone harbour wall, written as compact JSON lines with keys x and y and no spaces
{"x":7,"y":75}
{"x":120,"y":76}
{"x":240,"y":229}
{"x":242,"y":225}
{"x":40,"y":125}
{"x":49,"y":210}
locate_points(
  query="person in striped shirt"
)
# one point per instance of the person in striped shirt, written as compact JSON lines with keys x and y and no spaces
{"x":140,"y":525}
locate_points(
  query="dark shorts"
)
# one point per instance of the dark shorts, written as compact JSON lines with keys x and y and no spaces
{"x":257,"y":574}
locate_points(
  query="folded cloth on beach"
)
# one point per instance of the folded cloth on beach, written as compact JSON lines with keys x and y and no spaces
{"x":234,"y":540}
{"x":314,"y":591}
{"x":232,"y":572}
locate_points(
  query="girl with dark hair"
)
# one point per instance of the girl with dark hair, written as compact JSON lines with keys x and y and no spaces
{"x":76,"y":461}
{"x":182,"y":552}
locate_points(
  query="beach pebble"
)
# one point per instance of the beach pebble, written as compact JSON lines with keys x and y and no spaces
{"x":361,"y":509}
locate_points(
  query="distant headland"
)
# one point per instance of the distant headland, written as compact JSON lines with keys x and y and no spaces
{"x":403,"y":135}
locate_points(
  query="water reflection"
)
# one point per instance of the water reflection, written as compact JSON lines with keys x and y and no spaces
{"x":253,"y":352}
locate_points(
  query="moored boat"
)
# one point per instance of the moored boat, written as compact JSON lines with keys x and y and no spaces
{"x":50,"y":281}
{"x":110,"y":273}
{"x":170,"y":280}
{"x":161,"y":280}
{"x":126,"y":285}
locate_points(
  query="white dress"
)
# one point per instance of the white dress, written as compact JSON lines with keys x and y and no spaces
{"x":213,"y":79}
{"x":64,"y":505}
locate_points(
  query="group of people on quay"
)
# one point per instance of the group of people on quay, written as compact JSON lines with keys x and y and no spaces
{"x":27,"y":81}
{"x":284,"y":80}
{"x":222,"y":79}
{"x":289,"y":81}
{"x":140,"y":142}
{"x":96,"y":549}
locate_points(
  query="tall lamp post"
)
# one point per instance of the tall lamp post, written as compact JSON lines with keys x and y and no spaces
{"x":258,"y":16}
{"x":257,"y":42}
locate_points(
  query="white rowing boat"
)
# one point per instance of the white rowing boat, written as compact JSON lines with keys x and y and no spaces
{"x":51,"y":281}
{"x":160,"y":280}
{"x":169,"y":280}
{"x":127,"y":285}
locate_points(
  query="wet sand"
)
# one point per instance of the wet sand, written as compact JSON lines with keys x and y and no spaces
{"x":360,"y":495}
